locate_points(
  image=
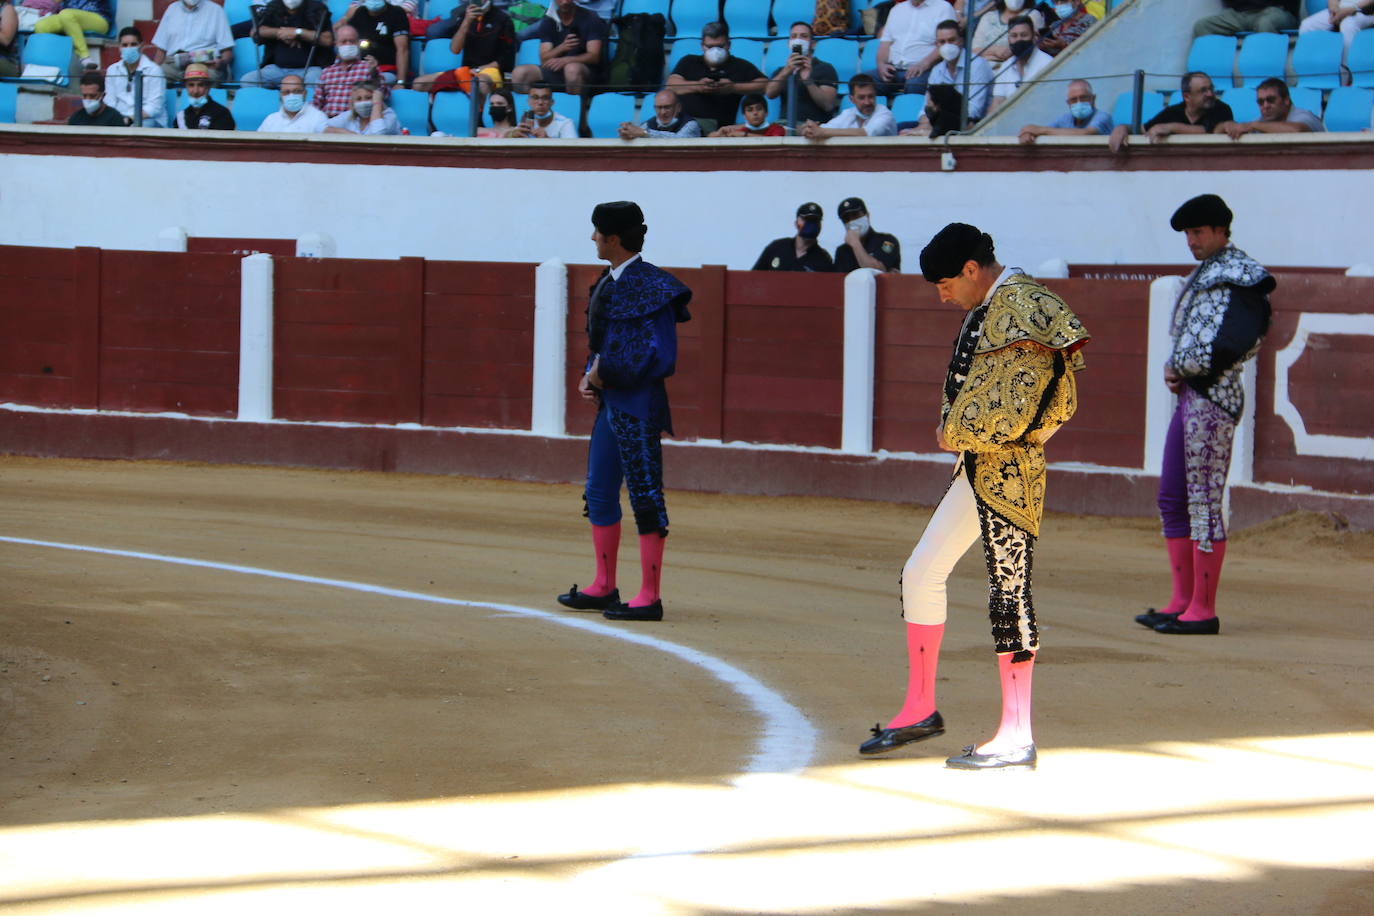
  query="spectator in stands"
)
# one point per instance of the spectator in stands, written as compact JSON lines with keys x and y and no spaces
{"x":94,"y":112}
{"x":294,"y":116}
{"x":334,"y":94}
{"x":297,"y":38}
{"x":1074,"y":19}
{"x":475,"y":18}
{"x":485,"y":43}
{"x":755,"y":110}
{"x":1025,"y":64}
{"x":501,"y":110}
{"x":1199,"y":113}
{"x":668,"y":122}
{"x":193,"y":31}
{"x":384,"y":34}
{"x":945,"y":91}
{"x":819,"y":99}
{"x":1277,"y":114}
{"x":9,"y":40}
{"x":1345,"y":16}
{"x":1083,"y":119}
{"x":1249,"y":16}
{"x":202,"y":112}
{"x":990,"y":38}
{"x":76,"y":18}
{"x":121,"y":76}
{"x":571,"y":42}
{"x":540,"y":120}
{"x":802,"y":251}
{"x":906,"y":46}
{"x":368,"y":115}
{"x":711,"y":83}
{"x":866,"y":118}
{"x":863,"y":246}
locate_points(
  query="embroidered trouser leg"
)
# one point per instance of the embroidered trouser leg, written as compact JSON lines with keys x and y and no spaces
{"x":625,"y":448}
{"x":1009,"y":551}
{"x":1208,"y":432}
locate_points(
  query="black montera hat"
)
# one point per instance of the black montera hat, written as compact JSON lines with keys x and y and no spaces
{"x":952,"y":248}
{"x":810,"y":211}
{"x":1203,"y":210}
{"x":618,"y":217}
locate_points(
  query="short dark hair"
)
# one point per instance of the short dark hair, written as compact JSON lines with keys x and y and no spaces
{"x":808,"y":25}
{"x":1188,"y":79}
{"x":130,"y":30}
{"x":717,"y":29}
{"x":540,"y":84}
{"x":632,"y":239}
{"x":93,"y":79}
{"x":752,"y":98}
{"x":1275,"y":83}
{"x":948,"y":24}
{"x":862,"y":79}
{"x":1021,"y":20}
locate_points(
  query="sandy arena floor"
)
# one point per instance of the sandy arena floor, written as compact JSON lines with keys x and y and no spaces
{"x":198,"y":739}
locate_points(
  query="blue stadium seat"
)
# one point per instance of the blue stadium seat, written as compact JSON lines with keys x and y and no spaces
{"x":1314,"y":6}
{"x":245,"y":59}
{"x":644,"y":6}
{"x":436,"y":57}
{"x":237,"y":11}
{"x":1243,"y":105}
{"x":908,"y":107}
{"x":786,"y":12}
{"x":680,"y":49}
{"x":1360,"y":59}
{"x":747,"y":18}
{"x":412,"y":110}
{"x":440,"y":9}
{"x":528,"y":52}
{"x":9,"y":101}
{"x":868,"y":56}
{"x":337,"y":8}
{"x":50,"y":50}
{"x":450,"y":113}
{"x":1348,"y":108}
{"x":690,"y":15}
{"x":1214,"y":55}
{"x":1302,"y":97}
{"x":1262,"y":55}
{"x":1150,"y":106}
{"x":251,"y":104}
{"x":608,"y":111}
{"x":569,"y":106}
{"x":1317,"y":59}
{"x":839,"y":53}
{"x":749,"y":49}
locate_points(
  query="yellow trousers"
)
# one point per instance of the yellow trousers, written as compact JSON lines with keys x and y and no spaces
{"x":76,"y":23}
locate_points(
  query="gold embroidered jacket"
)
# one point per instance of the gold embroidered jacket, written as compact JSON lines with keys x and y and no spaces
{"x":1020,"y":388}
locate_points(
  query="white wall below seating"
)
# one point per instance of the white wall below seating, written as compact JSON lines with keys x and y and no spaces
{"x":1283,"y":218}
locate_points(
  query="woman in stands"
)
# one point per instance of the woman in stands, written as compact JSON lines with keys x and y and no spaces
{"x":501,"y":110}
{"x":76,"y":18}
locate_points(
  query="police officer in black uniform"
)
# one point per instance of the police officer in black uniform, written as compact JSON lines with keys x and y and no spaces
{"x":863,"y":247}
{"x":802,"y":251}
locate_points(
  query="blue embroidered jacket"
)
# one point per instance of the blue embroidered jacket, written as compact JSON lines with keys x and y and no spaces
{"x":632,"y":326}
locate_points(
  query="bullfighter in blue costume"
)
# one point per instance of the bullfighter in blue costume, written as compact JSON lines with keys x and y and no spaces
{"x":632,"y":317}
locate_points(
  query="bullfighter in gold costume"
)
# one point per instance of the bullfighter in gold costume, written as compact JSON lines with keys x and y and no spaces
{"x":1010,"y":386}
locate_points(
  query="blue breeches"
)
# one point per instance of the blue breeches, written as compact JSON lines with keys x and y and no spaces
{"x":626,"y":449}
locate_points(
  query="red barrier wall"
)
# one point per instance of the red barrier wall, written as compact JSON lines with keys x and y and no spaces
{"x":49,"y":326}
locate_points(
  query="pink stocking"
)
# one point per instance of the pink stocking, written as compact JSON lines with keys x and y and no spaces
{"x":606,"y":540}
{"x":651,"y":565}
{"x":1181,"y":569}
{"x":1206,"y":575}
{"x":1015,"y":730}
{"x":923,"y":653}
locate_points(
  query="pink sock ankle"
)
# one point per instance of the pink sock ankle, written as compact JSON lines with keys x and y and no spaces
{"x":923,"y":654}
{"x":1206,"y":575}
{"x":651,"y":566}
{"x":606,"y":541}
{"x":1014,"y":731}
{"x":1181,"y":572}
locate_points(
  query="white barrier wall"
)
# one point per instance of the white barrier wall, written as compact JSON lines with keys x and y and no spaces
{"x":1297,"y":218}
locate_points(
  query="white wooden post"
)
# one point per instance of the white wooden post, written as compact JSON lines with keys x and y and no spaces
{"x":255,"y":338}
{"x":173,"y":238}
{"x":1159,"y":403}
{"x":860,"y":327}
{"x":549,"y":395}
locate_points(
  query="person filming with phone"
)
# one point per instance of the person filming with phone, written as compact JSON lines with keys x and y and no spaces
{"x":818,"y":99}
{"x":571,"y":41}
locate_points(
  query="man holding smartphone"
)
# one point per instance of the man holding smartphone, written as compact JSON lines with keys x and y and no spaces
{"x":571,"y":42}
{"x":819,"y":96}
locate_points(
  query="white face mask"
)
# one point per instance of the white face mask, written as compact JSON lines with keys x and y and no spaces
{"x":191,"y":4}
{"x":293,"y":4}
{"x":715,"y":56}
{"x":362,"y":109}
{"x":1015,"y":5}
{"x":950,"y":51}
{"x":348,"y":52}
{"x":1063,"y":10}
{"x":91,"y":105}
{"x":858,"y":224}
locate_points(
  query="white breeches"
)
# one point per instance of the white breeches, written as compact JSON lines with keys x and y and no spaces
{"x":952,"y":530}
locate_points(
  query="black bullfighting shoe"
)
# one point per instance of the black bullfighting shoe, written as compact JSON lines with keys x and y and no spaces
{"x":971,"y":760}
{"x":581,"y":601}
{"x":1152,"y":618}
{"x":625,"y":612}
{"x":889,"y":739}
{"x":1209,"y":627}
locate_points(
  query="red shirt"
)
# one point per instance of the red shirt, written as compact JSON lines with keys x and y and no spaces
{"x":334,"y":94}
